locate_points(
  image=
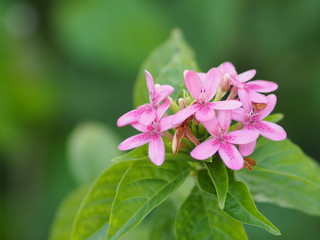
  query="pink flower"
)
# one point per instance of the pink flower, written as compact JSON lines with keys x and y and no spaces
{"x":152,"y":134}
{"x":203,"y":87}
{"x":252,"y":120}
{"x":223,"y":141}
{"x":146,"y":113}
{"x":247,"y":92}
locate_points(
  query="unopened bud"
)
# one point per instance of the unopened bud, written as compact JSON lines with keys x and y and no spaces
{"x":176,"y":141}
{"x":173,"y":106}
{"x":182,"y":103}
{"x":201,"y":129}
{"x":226,"y":83}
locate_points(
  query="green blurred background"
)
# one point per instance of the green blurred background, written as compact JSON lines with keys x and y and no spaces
{"x":67,"y":62}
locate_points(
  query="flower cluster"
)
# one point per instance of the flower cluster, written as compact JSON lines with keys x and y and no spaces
{"x":235,"y":121}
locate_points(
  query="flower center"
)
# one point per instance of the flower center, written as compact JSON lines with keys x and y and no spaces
{"x":252,"y":117}
{"x":203,"y":96}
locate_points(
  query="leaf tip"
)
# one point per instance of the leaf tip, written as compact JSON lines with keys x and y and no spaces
{"x":176,"y":33}
{"x":221,"y":204}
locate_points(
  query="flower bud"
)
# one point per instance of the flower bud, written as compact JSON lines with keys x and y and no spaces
{"x":226,"y":82}
{"x":182,"y":103}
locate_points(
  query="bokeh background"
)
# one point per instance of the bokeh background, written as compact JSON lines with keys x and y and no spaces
{"x":67,"y":62}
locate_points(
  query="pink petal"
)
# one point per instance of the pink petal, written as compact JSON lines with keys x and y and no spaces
{"x":241,"y":136}
{"x":206,"y":149}
{"x":161,"y":93}
{"x":271,"y":130}
{"x":183,"y":114}
{"x":193,"y":83}
{"x":227,"y":67}
{"x":212,"y":82}
{"x":205,"y":113}
{"x":226,"y":105}
{"x":224,"y":118}
{"x":244,"y":98}
{"x":163,"y":108}
{"x":140,"y":127}
{"x":247,"y":149}
{"x":166,"y":123}
{"x":262,"y":86}
{"x":257,"y":97}
{"x":239,"y":115}
{"x":156,"y":150}
{"x":211,"y":126}
{"x":134,"y":141}
{"x":231,"y":156}
{"x":147,"y":117}
{"x":133,"y":116}
{"x":150,"y":82}
{"x":246,"y":76}
{"x":272,"y":100}
{"x":235,"y":82}
{"x":202,"y":76}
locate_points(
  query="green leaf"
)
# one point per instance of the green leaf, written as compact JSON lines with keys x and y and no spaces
{"x":275,"y":117}
{"x":62,"y":225}
{"x":205,"y":182}
{"x":90,"y":147}
{"x":143,"y":187}
{"x":93,"y":216}
{"x":162,"y":221}
{"x":218,"y":174}
{"x":201,"y":218}
{"x":140,"y":153}
{"x":166,"y":64}
{"x":285,"y":176}
{"x":240,"y":206}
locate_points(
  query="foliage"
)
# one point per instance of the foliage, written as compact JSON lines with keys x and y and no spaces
{"x":219,"y":204}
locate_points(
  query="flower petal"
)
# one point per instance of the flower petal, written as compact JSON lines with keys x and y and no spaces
{"x":206,"y":149}
{"x":205,"y":113}
{"x":193,"y":83}
{"x":212,"y":82}
{"x":202,"y":76}
{"x":246,"y":76}
{"x":161,"y":93}
{"x":272,"y":100}
{"x":271,"y":130}
{"x":163,"y":108}
{"x":224,"y":118}
{"x":239,"y":115}
{"x":150,"y":83}
{"x":140,"y":127}
{"x":156,"y":150}
{"x":241,"y":136}
{"x":262,"y":86}
{"x":183,"y":114}
{"x":166,"y":123}
{"x":257,"y":97}
{"x":148,"y":116}
{"x":227,"y":67}
{"x":231,"y":156}
{"x":134,"y":141}
{"x":226,"y":104}
{"x":245,"y":99}
{"x":132,"y":116}
{"x":211,"y":126}
{"x":247,"y":149}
